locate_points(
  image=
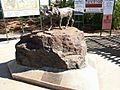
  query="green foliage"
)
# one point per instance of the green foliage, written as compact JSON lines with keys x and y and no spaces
{"x":70,"y":3}
{"x":116,"y":15}
{"x":65,"y":3}
{"x":94,"y":21}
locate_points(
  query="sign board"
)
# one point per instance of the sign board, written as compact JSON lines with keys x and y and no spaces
{"x":79,"y":6}
{"x":17,"y":8}
{"x":93,"y":6}
{"x":44,"y":2}
{"x":88,"y":6}
{"x":108,"y":7}
{"x":94,"y":10}
{"x":107,"y":13}
{"x":97,"y":6}
{"x":107,"y":22}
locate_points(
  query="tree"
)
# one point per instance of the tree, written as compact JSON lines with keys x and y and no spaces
{"x":116,"y":15}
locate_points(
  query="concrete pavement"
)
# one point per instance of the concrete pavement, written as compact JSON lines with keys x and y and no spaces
{"x":7,"y":53}
{"x":108,"y":73}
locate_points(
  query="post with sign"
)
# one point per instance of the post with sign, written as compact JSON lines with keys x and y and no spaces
{"x":43,"y":3}
{"x":107,"y":14}
{"x":79,"y":6}
{"x":19,"y":8}
{"x":88,"y":6}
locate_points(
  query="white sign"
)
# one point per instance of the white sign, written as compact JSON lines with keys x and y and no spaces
{"x":93,"y":1}
{"x":94,"y":10}
{"x":93,"y":6}
{"x":16,"y":8}
{"x":44,"y":2}
{"x":79,"y":5}
{"x":108,"y":7}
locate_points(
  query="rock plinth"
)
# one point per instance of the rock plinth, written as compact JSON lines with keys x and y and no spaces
{"x":61,"y":49}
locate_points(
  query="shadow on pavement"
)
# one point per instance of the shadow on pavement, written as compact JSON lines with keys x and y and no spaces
{"x":4,"y":71}
{"x":112,"y":55}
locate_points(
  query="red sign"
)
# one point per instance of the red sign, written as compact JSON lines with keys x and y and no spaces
{"x":107,"y":22}
{"x":93,"y":6}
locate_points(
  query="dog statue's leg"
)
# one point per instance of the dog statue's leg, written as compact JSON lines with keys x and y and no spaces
{"x":68,"y":22}
{"x":72,"y":22}
{"x":50,"y":24}
{"x":60,"y":23}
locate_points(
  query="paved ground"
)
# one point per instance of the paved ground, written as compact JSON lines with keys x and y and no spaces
{"x":107,"y":47}
{"x":7,"y":53}
{"x":108,"y":73}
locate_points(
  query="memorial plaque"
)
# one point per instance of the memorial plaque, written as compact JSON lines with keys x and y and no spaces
{"x":52,"y":78}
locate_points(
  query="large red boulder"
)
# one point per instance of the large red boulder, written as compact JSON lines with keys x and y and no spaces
{"x":61,"y":49}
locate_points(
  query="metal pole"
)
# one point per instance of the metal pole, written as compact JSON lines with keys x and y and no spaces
{"x":5,"y":29}
{"x":5,"y":24}
{"x":83,"y":21}
{"x":49,"y":2}
{"x":101,"y":25}
{"x":21,"y":22}
{"x":112,"y":18}
{"x":40,"y":16}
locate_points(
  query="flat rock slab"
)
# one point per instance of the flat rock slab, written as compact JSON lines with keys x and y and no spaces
{"x":79,"y":79}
